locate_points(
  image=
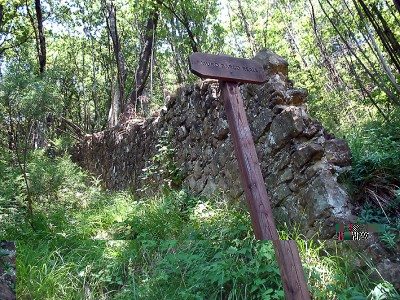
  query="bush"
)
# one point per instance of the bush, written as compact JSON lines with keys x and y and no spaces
{"x":376,"y":166}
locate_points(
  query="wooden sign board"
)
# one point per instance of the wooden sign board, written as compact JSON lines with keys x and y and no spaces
{"x":226,"y":68}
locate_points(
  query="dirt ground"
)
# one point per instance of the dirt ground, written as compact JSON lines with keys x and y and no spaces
{"x":7,"y":270}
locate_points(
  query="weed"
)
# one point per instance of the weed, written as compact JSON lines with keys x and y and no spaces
{"x":162,"y":167}
{"x":170,"y":246}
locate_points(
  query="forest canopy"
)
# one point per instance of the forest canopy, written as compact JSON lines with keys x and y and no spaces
{"x":86,"y":61}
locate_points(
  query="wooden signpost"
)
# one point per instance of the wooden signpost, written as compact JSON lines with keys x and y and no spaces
{"x":230,"y":71}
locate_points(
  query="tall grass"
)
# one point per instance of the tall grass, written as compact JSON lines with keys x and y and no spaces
{"x":88,"y":243}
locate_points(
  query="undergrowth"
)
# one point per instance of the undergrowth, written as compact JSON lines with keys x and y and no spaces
{"x":376,"y":177}
{"x":88,"y":243}
{"x":376,"y":165}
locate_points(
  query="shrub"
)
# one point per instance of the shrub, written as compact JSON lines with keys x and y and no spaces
{"x":376,"y":166}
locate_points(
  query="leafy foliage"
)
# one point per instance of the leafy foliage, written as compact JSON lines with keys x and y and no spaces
{"x":376,"y":156}
{"x":162,"y":166}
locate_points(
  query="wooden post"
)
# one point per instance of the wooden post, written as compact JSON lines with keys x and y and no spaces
{"x":230,"y":71}
{"x":287,"y":255}
{"x":250,"y":172}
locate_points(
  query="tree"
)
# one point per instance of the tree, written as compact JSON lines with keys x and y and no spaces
{"x":143,"y":69}
{"x":41,"y":39}
{"x":118,"y":97}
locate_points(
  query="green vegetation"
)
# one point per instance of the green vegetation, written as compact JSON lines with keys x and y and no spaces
{"x":162,"y":171}
{"x":376,"y":177}
{"x":88,"y":243}
{"x":69,"y":68}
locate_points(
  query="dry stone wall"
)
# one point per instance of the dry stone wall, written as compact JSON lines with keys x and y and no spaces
{"x":300,"y":160}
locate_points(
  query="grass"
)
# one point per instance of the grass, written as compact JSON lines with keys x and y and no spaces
{"x":88,"y":243}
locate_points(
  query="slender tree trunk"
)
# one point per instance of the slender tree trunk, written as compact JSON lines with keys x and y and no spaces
{"x":246,"y":26}
{"x":122,"y":69}
{"x":33,"y":24}
{"x":390,"y":37}
{"x":375,"y":49}
{"x":174,"y":48}
{"x":143,"y":69}
{"x":393,"y":11}
{"x":376,"y":79}
{"x":42,"y":41}
{"x":22,"y":161}
{"x":334,"y":76}
{"x":373,"y":45}
{"x":1,"y":17}
{"x":229,"y":9}
{"x":186,"y":23}
{"x":115,"y":103}
{"x":193,"y":43}
{"x":292,"y":35}
{"x":86,"y":112}
{"x":161,"y":78}
{"x":385,"y":34}
{"x":397,"y":4}
{"x":95,"y":99}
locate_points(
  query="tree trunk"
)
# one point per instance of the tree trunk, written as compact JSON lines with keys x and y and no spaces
{"x":375,"y":77}
{"x":241,"y":50}
{"x":42,"y":41}
{"x":374,"y":46}
{"x":115,"y":108}
{"x":95,"y":99}
{"x":143,"y":69}
{"x":333,"y":74}
{"x":385,"y":34}
{"x":1,"y":17}
{"x":397,"y":4}
{"x":246,"y":28}
{"x":122,"y":69}
{"x":185,"y":22}
{"x":175,"y":50}
{"x":86,"y":107}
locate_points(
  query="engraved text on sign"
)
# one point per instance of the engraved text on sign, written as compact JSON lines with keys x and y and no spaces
{"x":227,"y":68}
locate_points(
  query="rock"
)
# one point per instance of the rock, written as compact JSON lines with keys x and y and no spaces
{"x":287,"y":125}
{"x":221,"y":129}
{"x":260,"y":123}
{"x":6,"y":292}
{"x":182,"y":133}
{"x":323,"y":198}
{"x":307,"y":152}
{"x":294,"y":211}
{"x":278,"y":109}
{"x":271,"y":62}
{"x":389,"y":270}
{"x":286,"y":175}
{"x":272,"y":180}
{"x":280,"y":214}
{"x":338,"y":152}
{"x":280,"y":193}
{"x":295,"y":96}
{"x":197,"y":170}
{"x":196,"y":185}
{"x":235,"y":188}
{"x":280,"y":160}
{"x":210,"y":187}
